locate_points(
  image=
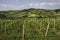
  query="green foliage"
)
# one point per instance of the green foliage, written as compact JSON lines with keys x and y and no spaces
{"x":35,"y":23}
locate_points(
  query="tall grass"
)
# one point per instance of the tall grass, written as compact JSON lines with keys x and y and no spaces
{"x":30,"y":29}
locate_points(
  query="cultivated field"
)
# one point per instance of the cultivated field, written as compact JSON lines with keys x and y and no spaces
{"x":19,"y":26}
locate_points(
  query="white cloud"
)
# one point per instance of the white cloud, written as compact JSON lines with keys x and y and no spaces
{"x":31,"y":4}
{"x":11,"y":6}
{"x":51,"y":4}
{"x":42,"y":4}
{"x":47,"y":5}
{"x":37,"y":4}
{"x":3,"y":5}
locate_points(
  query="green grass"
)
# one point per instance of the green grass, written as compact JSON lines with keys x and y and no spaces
{"x":30,"y":24}
{"x":34,"y":29}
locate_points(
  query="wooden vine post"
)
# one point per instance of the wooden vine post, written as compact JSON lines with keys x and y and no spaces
{"x":23,"y":29}
{"x":47,"y":28}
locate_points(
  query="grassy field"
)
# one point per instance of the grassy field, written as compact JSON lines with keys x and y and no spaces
{"x":22,"y":26}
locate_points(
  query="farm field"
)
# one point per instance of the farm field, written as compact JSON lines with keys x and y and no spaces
{"x":29,"y":24}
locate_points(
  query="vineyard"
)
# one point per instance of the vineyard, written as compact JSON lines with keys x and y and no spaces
{"x":29,"y":28}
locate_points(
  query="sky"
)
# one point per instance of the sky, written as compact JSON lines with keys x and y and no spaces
{"x":26,"y":4}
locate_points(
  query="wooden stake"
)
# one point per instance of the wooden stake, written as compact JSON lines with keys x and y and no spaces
{"x":54,"y":24}
{"x":23,"y":29}
{"x":47,"y":28}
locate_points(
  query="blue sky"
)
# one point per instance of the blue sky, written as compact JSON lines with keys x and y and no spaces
{"x":25,"y":4}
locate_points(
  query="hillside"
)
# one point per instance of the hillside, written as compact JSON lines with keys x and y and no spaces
{"x":42,"y":13}
{"x":30,"y":24}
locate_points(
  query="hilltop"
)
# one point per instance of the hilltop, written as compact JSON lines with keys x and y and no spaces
{"x":38,"y":13}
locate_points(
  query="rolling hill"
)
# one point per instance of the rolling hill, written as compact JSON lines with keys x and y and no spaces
{"x":30,"y":24}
